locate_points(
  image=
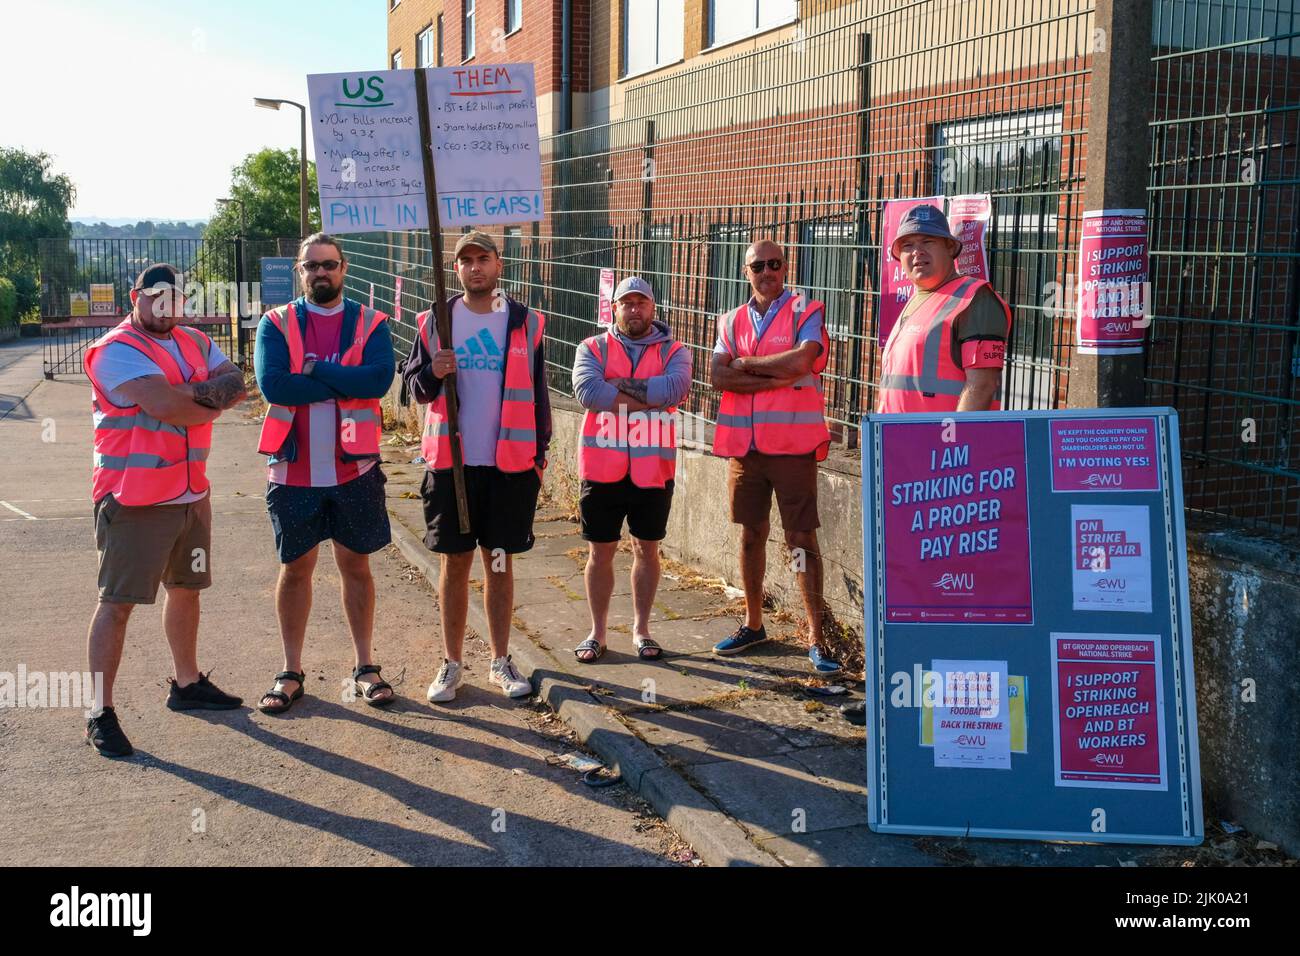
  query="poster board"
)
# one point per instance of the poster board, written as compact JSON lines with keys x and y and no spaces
{"x":1028,"y":627}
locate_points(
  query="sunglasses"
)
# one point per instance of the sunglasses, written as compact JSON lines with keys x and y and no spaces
{"x":329,"y":265}
{"x":758,"y":265}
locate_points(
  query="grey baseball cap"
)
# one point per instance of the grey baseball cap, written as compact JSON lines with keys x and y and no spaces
{"x":923,"y":220}
{"x":476,"y":238}
{"x":634,"y":284}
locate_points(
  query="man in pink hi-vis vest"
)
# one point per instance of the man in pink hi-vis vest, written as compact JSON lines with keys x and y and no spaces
{"x":767,"y":364}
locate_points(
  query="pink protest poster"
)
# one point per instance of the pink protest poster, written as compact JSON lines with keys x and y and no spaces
{"x":1104,"y":454}
{"x":606,"y":315}
{"x":1108,"y":711}
{"x":397,"y":299}
{"x":968,"y":219}
{"x":895,"y":287}
{"x":956,"y":523}
{"x":1113,"y":288}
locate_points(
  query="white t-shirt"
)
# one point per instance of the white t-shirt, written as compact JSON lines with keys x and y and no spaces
{"x":118,"y":363}
{"x":480,"y":343}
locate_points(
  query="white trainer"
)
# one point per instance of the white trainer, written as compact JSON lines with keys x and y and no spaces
{"x":450,"y":676}
{"x":505,"y":676}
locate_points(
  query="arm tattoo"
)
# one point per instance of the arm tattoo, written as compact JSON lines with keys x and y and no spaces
{"x":635,"y":387}
{"x":223,"y":390}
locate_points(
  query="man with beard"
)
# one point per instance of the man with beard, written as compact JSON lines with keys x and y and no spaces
{"x":630,"y":379}
{"x":505,"y":428}
{"x":323,"y":362}
{"x":156,"y":388}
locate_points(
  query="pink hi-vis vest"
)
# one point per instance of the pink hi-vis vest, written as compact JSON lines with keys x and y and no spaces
{"x":917,"y":371}
{"x":783,"y":421}
{"x":361,"y":421}
{"x":140,"y":460}
{"x":642,"y":443}
{"x":517,"y":437}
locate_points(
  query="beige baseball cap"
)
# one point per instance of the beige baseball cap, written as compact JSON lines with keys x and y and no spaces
{"x":476,"y":238}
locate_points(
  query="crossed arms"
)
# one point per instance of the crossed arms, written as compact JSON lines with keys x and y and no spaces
{"x":745,"y":375}
{"x":189,"y":403}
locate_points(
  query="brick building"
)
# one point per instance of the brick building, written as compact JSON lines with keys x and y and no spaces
{"x":676,"y":131}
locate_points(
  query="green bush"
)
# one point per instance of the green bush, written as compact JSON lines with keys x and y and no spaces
{"x":8,"y":303}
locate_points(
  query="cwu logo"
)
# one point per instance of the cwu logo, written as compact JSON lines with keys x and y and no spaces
{"x":1111,"y":480}
{"x":951,"y":583}
{"x":1107,"y":760}
{"x":480,"y":354}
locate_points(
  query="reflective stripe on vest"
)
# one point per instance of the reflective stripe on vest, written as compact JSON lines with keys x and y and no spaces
{"x":360,"y":420}
{"x":516,"y":447}
{"x":917,"y":369}
{"x":139,"y":459}
{"x":782,"y":421}
{"x":643,"y":444}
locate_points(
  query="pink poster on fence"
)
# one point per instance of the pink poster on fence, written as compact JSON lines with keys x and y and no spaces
{"x":606,"y":314}
{"x":1108,"y":711}
{"x":956,"y":523}
{"x":1113,"y":299}
{"x":968,"y":219}
{"x":895,"y":287}
{"x":1104,"y":454}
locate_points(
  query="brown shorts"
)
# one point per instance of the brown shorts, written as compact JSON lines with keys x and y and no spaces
{"x":753,"y":478}
{"x":140,"y":547}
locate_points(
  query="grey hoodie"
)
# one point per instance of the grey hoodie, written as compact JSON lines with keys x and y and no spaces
{"x":593,"y":392}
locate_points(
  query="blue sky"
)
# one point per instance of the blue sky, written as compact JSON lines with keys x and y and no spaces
{"x":148,"y":106}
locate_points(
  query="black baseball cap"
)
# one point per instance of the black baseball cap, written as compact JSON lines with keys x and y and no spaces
{"x":160,"y":273}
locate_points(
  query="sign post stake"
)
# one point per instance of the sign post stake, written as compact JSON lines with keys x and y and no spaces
{"x":441,"y":314}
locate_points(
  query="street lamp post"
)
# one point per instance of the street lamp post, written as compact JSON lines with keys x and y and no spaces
{"x":273,"y":104}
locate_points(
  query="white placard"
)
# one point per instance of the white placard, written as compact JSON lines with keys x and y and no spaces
{"x":366,"y":131}
{"x":485,"y":144}
{"x":972,"y":727}
{"x":1111,"y":547}
{"x":486,"y":153}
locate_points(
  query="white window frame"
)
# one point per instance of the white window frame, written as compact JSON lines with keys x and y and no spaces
{"x":714,"y":43}
{"x":424,"y":47}
{"x":468,"y":29}
{"x":516,"y":7}
{"x":659,"y":61}
{"x":395,"y":61}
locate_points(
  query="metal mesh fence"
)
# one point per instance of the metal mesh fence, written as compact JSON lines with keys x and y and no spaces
{"x":803,"y":139}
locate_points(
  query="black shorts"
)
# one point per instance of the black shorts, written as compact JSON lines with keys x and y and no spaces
{"x":604,"y":504}
{"x":354,"y":514}
{"x":501,"y":509}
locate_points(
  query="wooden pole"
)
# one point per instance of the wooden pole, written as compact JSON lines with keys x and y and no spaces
{"x":441,"y":314}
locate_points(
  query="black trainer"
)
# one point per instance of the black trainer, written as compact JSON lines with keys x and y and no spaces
{"x":201,"y":695}
{"x":104,"y":733}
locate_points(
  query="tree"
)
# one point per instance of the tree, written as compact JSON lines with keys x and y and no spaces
{"x":266,"y":182}
{"x":34,"y":203}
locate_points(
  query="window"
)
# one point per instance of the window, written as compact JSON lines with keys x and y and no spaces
{"x":826,"y":261}
{"x":1016,"y":158}
{"x":657,"y":266}
{"x":514,"y":15}
{"x":512,"y":251}
{"x":728,"y":286}
{"x":653,"y":31}
{"x":397,"y":60}
{"x":392,"y":4}
{"x":440,"y":36}
{"x":424,"y":47}
{"x":467,"y":33}
{"x":731,"y":20}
